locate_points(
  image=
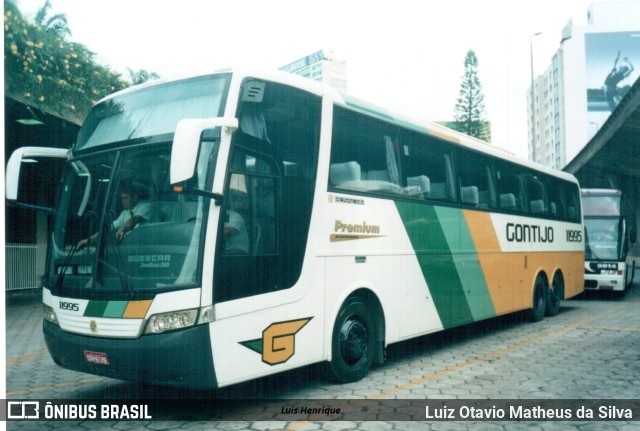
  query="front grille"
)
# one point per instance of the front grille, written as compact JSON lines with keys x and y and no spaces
{"x":590,"y":284}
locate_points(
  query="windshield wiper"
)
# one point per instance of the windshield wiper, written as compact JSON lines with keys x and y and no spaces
{"x":114,"y":245}
{"x":63,"y":269}
{"x":124,"y":278}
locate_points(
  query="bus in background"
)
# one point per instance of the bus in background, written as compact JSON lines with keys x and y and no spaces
{"x":221,"y":228}
{"x":610,"y":230}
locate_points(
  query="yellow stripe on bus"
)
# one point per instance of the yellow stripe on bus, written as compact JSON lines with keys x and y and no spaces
{"x":510,"y":276}
{"x":137,"y":309}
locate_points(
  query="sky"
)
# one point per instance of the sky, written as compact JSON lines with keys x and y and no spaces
{"x":404,"y":55}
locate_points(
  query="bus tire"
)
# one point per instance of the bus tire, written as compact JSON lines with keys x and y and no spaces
{"x":353,"y":341}
{"x":556,"y":295}
{"x":537,"y":311}
{"x":633,"y":274}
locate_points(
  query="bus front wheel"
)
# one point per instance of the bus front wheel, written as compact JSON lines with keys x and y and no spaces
{"x":353,"y":341}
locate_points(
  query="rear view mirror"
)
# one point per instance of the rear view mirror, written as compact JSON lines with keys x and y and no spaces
{"x":14,"y":166}
{"x":186,"y":144}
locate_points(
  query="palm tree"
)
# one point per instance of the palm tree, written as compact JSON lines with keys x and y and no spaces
{"x":56,"y":23}
{"x":141,"y":76}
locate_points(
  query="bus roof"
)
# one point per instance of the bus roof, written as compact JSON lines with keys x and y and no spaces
{"x":367,"y":108}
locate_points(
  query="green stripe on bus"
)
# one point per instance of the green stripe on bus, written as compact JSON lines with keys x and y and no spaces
{"x":95,"y":308}
{"x":105,"y":308}
{"x":426,"y":229}
{"x":115,"y":309}
{"x":471,"y":275}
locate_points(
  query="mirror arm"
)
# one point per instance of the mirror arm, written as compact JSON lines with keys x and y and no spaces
{"x":217,"y":197}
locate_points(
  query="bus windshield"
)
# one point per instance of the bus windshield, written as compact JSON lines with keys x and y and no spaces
{"x":120,"y":230}
{"x":152,"y":111}
{"x":601,"y":205}
{"x":100,"y":193}
{"x":603,"y":239}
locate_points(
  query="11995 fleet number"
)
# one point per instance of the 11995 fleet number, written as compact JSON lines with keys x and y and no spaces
{"x":71,"y":306}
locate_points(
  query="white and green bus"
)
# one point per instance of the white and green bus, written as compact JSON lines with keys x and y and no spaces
{"x":610,"y":230}
{"x":221,"y":228}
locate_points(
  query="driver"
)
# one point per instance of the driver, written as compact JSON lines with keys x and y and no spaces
{"x":133,"y":213}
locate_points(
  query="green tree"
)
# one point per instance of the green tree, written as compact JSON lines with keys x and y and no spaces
{"x":469,"y":110}
{"x":56,"y":23}
{"x":46,"y":71}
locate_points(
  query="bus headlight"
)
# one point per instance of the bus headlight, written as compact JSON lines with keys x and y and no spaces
{"x":50,"y":315}
{"x":164,"y":322}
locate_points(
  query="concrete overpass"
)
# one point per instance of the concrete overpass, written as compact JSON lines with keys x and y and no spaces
{"x":612,"y":158}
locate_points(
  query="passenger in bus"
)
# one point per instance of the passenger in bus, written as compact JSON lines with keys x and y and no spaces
{"x":134,"y":212}
{"x":235,"y":234}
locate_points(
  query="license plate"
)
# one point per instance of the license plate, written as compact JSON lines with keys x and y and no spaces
{"x":96,"y":357}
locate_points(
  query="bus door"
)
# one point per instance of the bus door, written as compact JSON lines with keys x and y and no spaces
{"x":268,"y":312}
{"x":269,"y":192}
{"x":249,"y":255}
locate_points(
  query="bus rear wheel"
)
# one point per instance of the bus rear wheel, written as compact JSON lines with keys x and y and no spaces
{"x":556,"y":295}
{"x":537,"y":311}
{"x":353,"y":342}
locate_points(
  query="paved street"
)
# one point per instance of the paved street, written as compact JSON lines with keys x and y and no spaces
{"x":591,"y":350}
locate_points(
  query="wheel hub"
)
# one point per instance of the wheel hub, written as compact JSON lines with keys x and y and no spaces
{"x":353,"y":341}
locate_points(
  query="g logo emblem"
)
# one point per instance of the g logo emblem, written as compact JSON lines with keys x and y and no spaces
{"x":278,"y":343}
{"x":93,"y":325}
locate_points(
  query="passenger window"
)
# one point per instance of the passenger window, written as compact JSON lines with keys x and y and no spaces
{"x":557,"y":199}
{"x":510,"y":188}
{"x":428,"y":168}
{"x":573,"y":203}
{"x":537,"y":196}
{"x":364,"y":155}
{"x":477,"y":188}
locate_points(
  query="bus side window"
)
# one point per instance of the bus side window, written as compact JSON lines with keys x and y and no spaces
{"x":427,"y":167}
{"x":573,"y":203}
{"x":475,"y":179}
{"x":510,"y":189}
{"x":556,"y":196}
{"x":536,"y":193}
{"x":341,"y":174}
{"x":364,"y":155}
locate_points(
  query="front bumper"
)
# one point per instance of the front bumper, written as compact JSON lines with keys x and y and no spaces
{"x":181,"y":358}
{"x":604,"y":282}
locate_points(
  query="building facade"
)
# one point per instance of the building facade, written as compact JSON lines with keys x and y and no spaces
{"x":321,"y":66}
{"x":590,"y":72}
